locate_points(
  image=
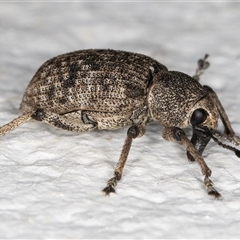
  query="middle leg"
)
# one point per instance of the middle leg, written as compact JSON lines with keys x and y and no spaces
{"x":132,"y":133}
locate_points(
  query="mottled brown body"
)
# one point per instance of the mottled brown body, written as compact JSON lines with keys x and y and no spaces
{"x":109,"y":89}
{"x":103,"y":86}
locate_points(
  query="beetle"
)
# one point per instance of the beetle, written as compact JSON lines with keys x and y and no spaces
{"x":109,"y":89}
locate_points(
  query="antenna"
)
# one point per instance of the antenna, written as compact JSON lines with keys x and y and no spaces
{"x":230,"y":139}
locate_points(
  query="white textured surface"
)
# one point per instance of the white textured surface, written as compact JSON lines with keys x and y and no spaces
{"x":51,"y":180}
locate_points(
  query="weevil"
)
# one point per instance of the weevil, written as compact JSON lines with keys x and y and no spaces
{"x":109,"y":89}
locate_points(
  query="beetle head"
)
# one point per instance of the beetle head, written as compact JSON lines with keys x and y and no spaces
{"x":204,"y":113}
{"x":204,"y":118}
{"x":177,"y":100}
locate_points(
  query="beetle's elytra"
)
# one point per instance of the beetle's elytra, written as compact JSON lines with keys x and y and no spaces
{"x":109,"y":89}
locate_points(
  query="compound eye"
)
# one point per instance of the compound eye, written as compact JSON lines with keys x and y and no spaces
{"x":198,"y":116}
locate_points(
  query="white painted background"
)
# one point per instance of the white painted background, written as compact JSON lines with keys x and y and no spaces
{"x":51,"y":180}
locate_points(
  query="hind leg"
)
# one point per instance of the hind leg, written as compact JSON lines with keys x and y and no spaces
{"x":74,"y":121}
{"x":15,"y":123}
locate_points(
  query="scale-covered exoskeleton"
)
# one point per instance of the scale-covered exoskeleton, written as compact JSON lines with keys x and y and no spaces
{"x":109,"y":89}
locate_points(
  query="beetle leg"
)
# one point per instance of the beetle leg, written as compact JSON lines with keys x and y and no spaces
{"x":229,"y":134}
{"x":203,"y":64}
{"x":206,"y":171}
{"x":132,"y":133}
{"x":227,"y":125}
{"x":180,"y":136}
{"x":15,"y":123}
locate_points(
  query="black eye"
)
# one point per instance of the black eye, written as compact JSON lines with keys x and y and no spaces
{"x":198,"y":116}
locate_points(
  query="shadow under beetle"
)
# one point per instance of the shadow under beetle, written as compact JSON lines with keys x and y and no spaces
{"x":109,"y":89}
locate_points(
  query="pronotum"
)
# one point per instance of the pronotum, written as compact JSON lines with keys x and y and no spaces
{"x":108,"y":89}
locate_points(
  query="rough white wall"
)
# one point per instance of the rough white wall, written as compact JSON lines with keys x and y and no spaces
{"x":51,"y":180}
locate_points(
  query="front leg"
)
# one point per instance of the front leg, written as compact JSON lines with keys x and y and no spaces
{"x":133,"y":132}
{"x":229,"y":134}
{"x":179,"y":135}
